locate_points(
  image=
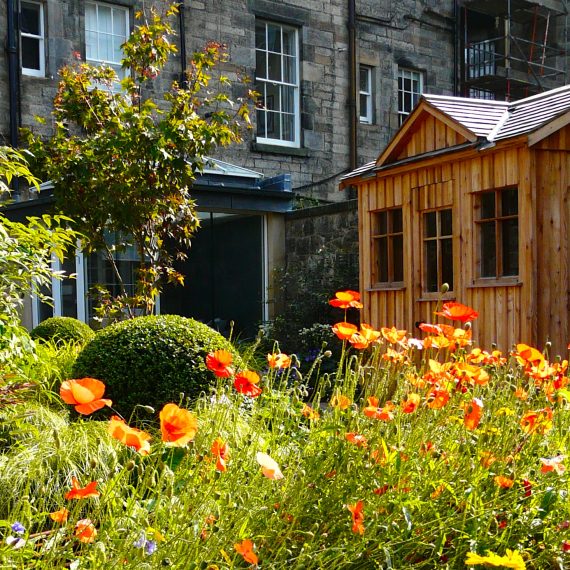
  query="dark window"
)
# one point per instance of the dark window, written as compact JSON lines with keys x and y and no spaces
{"x":32,"y":38}
{"x":388,"y":246}
{"x":438,"y":250}
{"x":498,"y":226}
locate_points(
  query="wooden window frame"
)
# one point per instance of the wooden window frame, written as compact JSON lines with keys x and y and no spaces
{"x":498,"y":219}
{"x":391,"y":283}
{"x":438,"y":238}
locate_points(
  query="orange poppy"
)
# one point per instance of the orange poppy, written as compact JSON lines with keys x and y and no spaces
{"x":246,"y":383}
{"x":393,"y":335}
{"x":487,"y":458}
{"x":279,"y":360}
{"x":373,"y":411}
{"x":85,"y":531}
{"x":59,"y":516}
{"x":78,"y":492}
{"x":521,"y":393}
{"x":131,"y":437}
{"x":503,"y":482}
{"x":86,"y":394}
{"x":339,"y":401}
{"x":269,"y":466}
{"x":411,"y":404}
{"x":245,"y":548}
{"x":344,"y":330}
{"x":457,"y":312}
{"x":356,"y":439}
{"x":357,"y":517}
{"x":369,"y":333}
{"x":178,"y":426}
{"x":430,"y":328}
{"x":437,"y":398}
{"x":346,"y":300}
{"x":537,"y":422}
{"x":358,"y":341}
{"x":310,"y":413}
{"x":472,"y":414}
{"x":219,"y":362}
{"x":527,"y":354}
{"x":553,"y":464}
{"x":221,"y":451}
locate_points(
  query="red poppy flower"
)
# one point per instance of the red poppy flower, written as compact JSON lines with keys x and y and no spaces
{"x":78,"y":492}
{"x":356,"y":439}
{"x":310,"y":413}
{"x":246,"y":383}
{"x":528,"y":355}
{"x":457,"y":312}
{"x":553,"y":464}
{"x":357,"y":517}
{"x":219,"y":362}
{"x":437,"y":398}
{"x":339,"y":401}
{"x":245,"y":548}
{"x":472,"y":414}
{"x":411,"y":404}
{"x":537,"y":422}
{"x":59,"y":516}
{"x":344,"y":330}
{"x":131,"y":437}
{"x":358,"y":341}
{"x":504,"y":482}
{"x":86,"y":394}
{"x":373,"y":411}
{"x":346,"y":300}
{"x":178,"y":426}
{"x":85,"y":531}
{"x":269,"y":467}
{"x":221,"y":451}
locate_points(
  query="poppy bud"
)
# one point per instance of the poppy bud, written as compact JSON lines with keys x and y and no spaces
{"x":148,"y":409}
{"x":467,"y":326}
{"x":93,"y":463}
{"x":327,"y":353}
{"x":548,"y":345}
{"x":445,"y":288}
{"x":130,"y":465}
{"x":56,"y":440}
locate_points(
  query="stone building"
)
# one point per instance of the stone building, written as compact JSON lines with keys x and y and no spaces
{"x":336,"y":78}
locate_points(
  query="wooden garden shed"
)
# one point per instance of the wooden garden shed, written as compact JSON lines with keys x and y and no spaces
{"x":473,"y":193}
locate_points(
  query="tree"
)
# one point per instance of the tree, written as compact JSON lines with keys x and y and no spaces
{"x":26,"y":253}
{"x":122,"y":164}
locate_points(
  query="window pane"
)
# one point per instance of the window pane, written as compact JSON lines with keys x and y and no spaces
{"x":398,"y":257}
{"x":289,"y":71}
{"x":274,"y":38}
{"x":381,"y":223}
{"x":119,"y":22}
{"x":447,"y":262}
{"x":274,"y":62}
{"x":364,"y":79}
{"x":363,"y":105}
{"x":396,"y":216}
{"x":91,"y":45}
{"x":104,"y":19}
{"x":510,"y":230}
{"x":509,"y":202}
{"x":431,"y":266}
{"x":69,"y":290}
{"x":488,"y":250}
{"x":260,"y":65}
{"x":382,"y":259}
{"x":31,"y":53}
{"x":261,"y":123}
{"x":430,"y":224}
{"x":273,"y":125}
{"x":30,"y":19}
{"x":289,"y":46}
{"x":487,"y":205}
{"x":260,"y":42}
{"x":288,"y":125}
{"x":90,"y":17}
{"x":445,"y":223}
{"x":288,"y":99}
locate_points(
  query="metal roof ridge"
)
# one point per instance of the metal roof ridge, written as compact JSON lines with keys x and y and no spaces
{"x":507,"y":113}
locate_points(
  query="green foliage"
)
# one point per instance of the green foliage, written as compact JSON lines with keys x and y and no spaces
{"x":151,"y":360}
{"x":62,"y":329}
{"x":123,"y":163}
{"x":26,"y":252}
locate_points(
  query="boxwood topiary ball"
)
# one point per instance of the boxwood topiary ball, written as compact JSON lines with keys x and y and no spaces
{"x":62,"y":329}
{"x":151,"y":360}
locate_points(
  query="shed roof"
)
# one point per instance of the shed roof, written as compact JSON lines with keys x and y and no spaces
{"x":486,"y":120}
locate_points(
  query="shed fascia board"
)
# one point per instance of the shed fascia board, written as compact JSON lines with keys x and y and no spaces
{"x":551,"y":127}
{"x":410,"y":124}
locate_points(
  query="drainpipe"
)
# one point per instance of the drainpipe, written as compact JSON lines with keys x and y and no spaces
{"x":12,"y":52}
{"x":352,"y":137}
{"x":183,"y":55}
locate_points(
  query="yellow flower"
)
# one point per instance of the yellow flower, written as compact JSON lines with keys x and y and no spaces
{"x":512,"y":559}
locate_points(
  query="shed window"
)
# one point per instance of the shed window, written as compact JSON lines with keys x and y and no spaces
{"x":438,"y":250}
{"x":498,"y":226}
{"x":388,"y":247}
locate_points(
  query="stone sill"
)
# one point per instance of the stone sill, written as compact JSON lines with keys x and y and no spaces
{"x":278,"y":149}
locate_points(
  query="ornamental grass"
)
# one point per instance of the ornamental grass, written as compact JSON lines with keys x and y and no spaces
{"x":423,"y":452}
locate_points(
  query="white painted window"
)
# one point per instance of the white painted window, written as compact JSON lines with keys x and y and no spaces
{"x":106,"y":29}
{"x":365,"y":91}
{"x":410,"y":87}
{"x":277,"y":82}
{"x":32,"y":40}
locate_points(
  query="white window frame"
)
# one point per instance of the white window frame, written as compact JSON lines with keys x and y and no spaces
{"x":263,"y":81}
{"x":96,"y":61}
{"x":366,"y":94}
{"x":412,"y":75}
{"x":41,"y":72}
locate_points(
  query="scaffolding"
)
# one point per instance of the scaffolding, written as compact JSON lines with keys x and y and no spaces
{"x":513,"y":48}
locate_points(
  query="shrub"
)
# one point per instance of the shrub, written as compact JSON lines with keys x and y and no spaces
{"x":151,"y":360}
{"x":63,"y":329}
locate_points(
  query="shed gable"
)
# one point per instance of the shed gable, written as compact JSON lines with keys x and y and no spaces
{"x":426,"y":130}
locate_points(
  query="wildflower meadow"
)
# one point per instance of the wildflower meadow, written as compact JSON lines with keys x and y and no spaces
{"x":428,"y":452}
